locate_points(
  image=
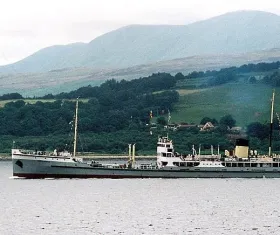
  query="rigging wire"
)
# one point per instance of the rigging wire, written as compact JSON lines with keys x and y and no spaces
{"x":278,"y":118}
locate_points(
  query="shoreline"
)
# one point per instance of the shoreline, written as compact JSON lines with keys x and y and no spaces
{"x":96,"y":157}
{"x":2,"y":159}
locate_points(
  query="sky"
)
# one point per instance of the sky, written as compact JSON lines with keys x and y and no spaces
{"x":30,"y":25}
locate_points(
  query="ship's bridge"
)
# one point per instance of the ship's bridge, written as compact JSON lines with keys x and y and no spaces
{"x":164,"y":147}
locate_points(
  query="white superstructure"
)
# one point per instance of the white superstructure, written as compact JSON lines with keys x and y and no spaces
{"x":43,"y":156}
{"x":166,"y":157}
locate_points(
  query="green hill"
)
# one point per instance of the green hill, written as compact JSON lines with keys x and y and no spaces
{"x":123,"y":109}
{"x":247,"y":103}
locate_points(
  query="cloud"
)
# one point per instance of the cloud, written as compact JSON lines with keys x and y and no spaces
{"x":16,"y":33}
{"x":27,"y":26}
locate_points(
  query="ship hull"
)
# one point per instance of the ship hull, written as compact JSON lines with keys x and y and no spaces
{"x":46,"y":169}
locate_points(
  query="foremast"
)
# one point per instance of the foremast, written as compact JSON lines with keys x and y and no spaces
{"x":76,"y":128}
{"x":271,"y":123}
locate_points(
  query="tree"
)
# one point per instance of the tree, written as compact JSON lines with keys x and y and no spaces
{"x":11,"y":96}
{"x":161,"y":121}
{"x":222,"y":129}
{"x":208,"y":119}
{"x":48,"y":96}
{"x":214,"y":121}
{"x":179,"y":76}
{"x":205,"y":120}
{"x":258,"y":130}
{"x":252,"y":80}
{"x":228,"y":120}
{"x":273,"y":80}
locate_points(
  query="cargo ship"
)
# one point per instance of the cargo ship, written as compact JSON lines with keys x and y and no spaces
{"x":169,"y":164}
{"x":240,"y":163}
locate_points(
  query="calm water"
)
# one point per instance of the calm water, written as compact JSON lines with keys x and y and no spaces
{"x":136,"y":206}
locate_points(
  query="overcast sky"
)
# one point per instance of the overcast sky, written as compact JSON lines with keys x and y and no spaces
{"x":29,"y":25}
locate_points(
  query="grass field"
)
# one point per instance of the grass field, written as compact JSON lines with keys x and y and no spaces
{"x":245,"y":102}
{"x":184,"y":92}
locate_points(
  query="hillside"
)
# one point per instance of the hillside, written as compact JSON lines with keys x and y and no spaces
{"x":123,"y":108}
{"x":247,"y":103}
{"x":65,"y":80}
{"x":237,"y":32}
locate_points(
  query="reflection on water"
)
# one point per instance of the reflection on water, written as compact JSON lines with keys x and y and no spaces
{"x":138,"y":206}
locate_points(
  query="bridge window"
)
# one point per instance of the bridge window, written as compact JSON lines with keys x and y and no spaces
{"x":161,"y":145}
{"x":189,"y":163}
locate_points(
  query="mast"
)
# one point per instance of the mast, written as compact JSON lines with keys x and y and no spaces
{"x":133,"y":153}
{"x":271,"y":123}
{"x":76,"y":129}
{"x":168,"y":122}
{"x":129,"y":153}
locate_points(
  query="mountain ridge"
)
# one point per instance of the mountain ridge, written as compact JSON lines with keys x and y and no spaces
{"x":63,"y":80}
{"x":235,"y":32}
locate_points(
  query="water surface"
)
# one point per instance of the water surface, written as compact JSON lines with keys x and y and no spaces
{"x":138,"y":206}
